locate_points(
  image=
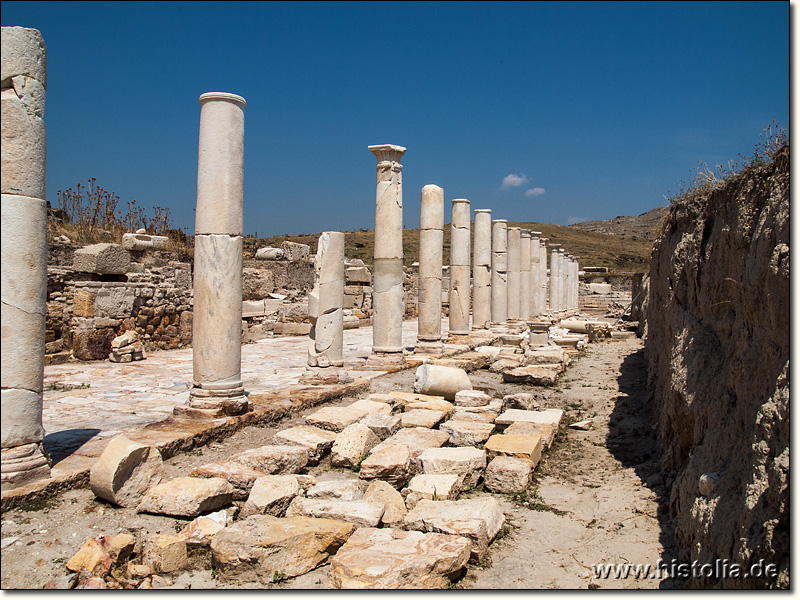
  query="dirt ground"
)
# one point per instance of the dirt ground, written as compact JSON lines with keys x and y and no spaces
{"x":597,"y":496}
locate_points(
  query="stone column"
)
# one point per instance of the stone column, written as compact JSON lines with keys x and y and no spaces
{"x":513,"y":274}
{"x":499,"y":273}
{"x":325,"y":303}
{"x":524,"y":275}
{"x":563,"y":274}
{"x":459,"y":268}
{"x":217,"y":387}
{"x":481,"y":270}
{"x":24,"y":254}
{"x":544,"y":280}
{"x":387,"y":270}
{"x":536,"y":274}
{"x":431,"y":235}
{"x":555,"y":280}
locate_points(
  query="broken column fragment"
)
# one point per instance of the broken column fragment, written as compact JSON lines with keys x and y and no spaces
{"x":325,"y":303}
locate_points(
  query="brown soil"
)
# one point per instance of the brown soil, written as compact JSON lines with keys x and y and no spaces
{"x":588,"y":503}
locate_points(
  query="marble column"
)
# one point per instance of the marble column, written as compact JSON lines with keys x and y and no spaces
{"x":459,"y":268}
{"x":536,"y":274}
{"x":563,"y":273}
{"x":544,"y":280}
{"x":499,"y":273}
{"x":24,"y":255}
{"x":325,"y":303}
{"x":555,"y":280}
{"x":524,"y":275}
{"x":513,"y":274}
{"x":217,"y":387}
{"x":387,"y":269}
{"x":431,"y":235}
{"x":482,"y":270}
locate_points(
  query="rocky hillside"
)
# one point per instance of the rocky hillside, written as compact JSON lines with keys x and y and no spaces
{"x":718,"y":351}
{"x":646,"y":226}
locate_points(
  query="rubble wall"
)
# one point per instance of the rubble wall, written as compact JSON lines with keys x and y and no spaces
{"x":718,"y":355}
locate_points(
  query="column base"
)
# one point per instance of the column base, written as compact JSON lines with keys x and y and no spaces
{"x":458,"y":338}
{"x":324,"y":376}
{"x":212,"y":404}
{"x":23,"y":464}
{"x":429,"y":347}
{"x":385,"y":361}
{"x":481,"y":337}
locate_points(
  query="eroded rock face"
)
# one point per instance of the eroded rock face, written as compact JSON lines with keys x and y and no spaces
{"x":718,"y":352}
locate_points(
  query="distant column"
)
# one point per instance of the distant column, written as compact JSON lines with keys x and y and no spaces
{"x":555,"y":280}
{"x":481,"y":270}
{"x":513,"y":273}
{"x":563,"y":274}
{"x":459,"y":268}
{"x":325,"y":303}
{"x":217,"y":387}
{"x":499,"y":272}
{"x":524,"y":275}
{"x":536,"y":275}
{"x":544,"y":279}
{"x":387,"y":276}
{"x":24,"y":255}
{"x":431,"y":235}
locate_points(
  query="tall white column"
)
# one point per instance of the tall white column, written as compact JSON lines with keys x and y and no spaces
{"x":524,"y":275}
{"x":459,"y":268}
{"x":217,"y":387}
{"x":387,"y":274}
{"x":482,"y":270}
{"x":536,"y":275}
{"x":555,"y":280}
{"x":545,"y":278}
{"x":513,"y":273}
{"x":24,"y":255}
{"x":326,"y":301}
{"x":431,"y":235}
{"x":499,"y":273}
{"x":564,"y":261}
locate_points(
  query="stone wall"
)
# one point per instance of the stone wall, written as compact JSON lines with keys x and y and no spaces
{"x":718,"y":351}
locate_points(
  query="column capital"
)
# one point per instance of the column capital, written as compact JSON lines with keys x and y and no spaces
{"x":387,"y":152}
{"x":222,"y":96}
{"x":483,"y":210}
{"x":454,"y":200}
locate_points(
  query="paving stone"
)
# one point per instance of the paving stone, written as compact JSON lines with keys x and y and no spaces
{"x":393,"y":464}
{"x":274,"y":459}
{"x":546,"y":430}
{"x":432,"y":487}
{"x":443,"y":405}
{"x":124,"y":471}
{"x":357,"y":512}
{"x":467,"y":432}
{"x":199,"y":531}
{"x":271,"y":495}
{"x":462,"y":415}
{"x":352,"y":445}
{"x":390,"y":399}
{"x":240,"y":477}
{"x":255,"y":548}
{"x":380,"y":492}
{"x":165,"y":553}
{"x":508,"y":474}
{"x":521,"y":446}
{"x":372,"y":407}
{"x":396,"y":559}
{"x":534,"y":374}
{"x":422,"y":417}
{"x":335,"y":418}
{"x":187,"y":496}
{"x":495,"y":407}
{"x":545,"y":355}
{"x":316,"y":441}
{"x":416,"y":439}
{"x":479,"y":519}
{"x":467,"y":463}
{"x":404,"y":398}
{"x":382,"y":425}
{"x":338,"y":489}
{"x":551,"y":416}
{"x":472,"y":398}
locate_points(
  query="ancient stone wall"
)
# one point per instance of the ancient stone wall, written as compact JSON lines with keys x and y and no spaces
{"x":718,"y":353}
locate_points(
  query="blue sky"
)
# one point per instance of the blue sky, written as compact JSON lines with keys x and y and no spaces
{"x":553,"y":112}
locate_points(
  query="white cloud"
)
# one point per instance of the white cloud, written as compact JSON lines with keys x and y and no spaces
{"x":537,"y":191}
{"x":574,"y":220}
{"x":513,"y":180}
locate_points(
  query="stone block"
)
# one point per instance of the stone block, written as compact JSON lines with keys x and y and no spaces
{"x":187,"y":496}
{"x":165,"y":553}
{"x":292,"y":328}
{"x":357,"y":512}
{"x":478,"y":417}
{"x":317,"y":442}
{"x":83,"y":303}
{"x":254,"y":549}
{"x":293,"y":251}
{"x":200,"y":531}
{"x":521,"y":446}
{"x":352,"y":445}
{"x":241,"y":477}
{"x":380,"y":492}
{"x":390,"y":399}
{"x":421,"y":417}
{"x":357,"y":275}
{"x":396,"y":559}
{"x":372,"y":406}
{"x":508,"y":474}
{"x":546,"y":430}
{"x":347,"y":490}
{"x":382,"y":425}
{"x":335,"y":418}
{"x":478,"y":519}
{"x":468,"y":432}
{"x":468,"y":398}
{"x":105,"y":259}
{"x":468,"y":463}
{"x":443,"y":486}
{"x":92,"y":344}
{"x":434,"y":404}
{"x":551,"y":416}
{"x":271,"y":495}
{"x":416,"y":439}
{"x":392,"y":463}
{"x":403,"y":398}
{"x":521,"y":401}
{"x":125,"y":471}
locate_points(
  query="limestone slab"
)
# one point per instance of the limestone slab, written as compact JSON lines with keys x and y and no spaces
{"x":382,"y":425}
{"x":380,"y":492}
{"x":273,"y":459}
{"x":187,"y":496}
{"x":416,"y":439}
{"x":508,"y":474}
{"x":422,"y":417}
{"x":396,"y":559}
{"x":442,"y":486}
{"x":480,"y":417}
{"x":201,"y":530}
{"x":440,"y":405}
{"x":521,"y":446}
{"x":467,"y":398}
{"x":241,"y":477}
{"x":316,"y":441}
{"x":550,"y":416}
{"x":404,"y":398}
{"x":391,"y":463}
{"x":546,"y":430}
{"x":271,"y":495}
{"x":352,"y":445}
{"x":467,"y":463}
{"x":468,"y":432}
{"x":357,"y":512}
{"x":347,"y":490}
{"x":335,"y":418}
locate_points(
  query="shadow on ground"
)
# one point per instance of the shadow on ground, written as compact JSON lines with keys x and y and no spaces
{"x":61,"y":444}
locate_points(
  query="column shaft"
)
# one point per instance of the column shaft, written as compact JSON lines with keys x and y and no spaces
{"x":513,"y":273}
{"x":499,"y":272}
{"x":481,"y":270}
{"x":459,"y":268}
{"x":536,"y":274}
{"x":544,"y":279}
{"x":524,"y":275}
{"x":325,"y":303}
{"x":431,"y":234}
{"x":555,"y":280}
